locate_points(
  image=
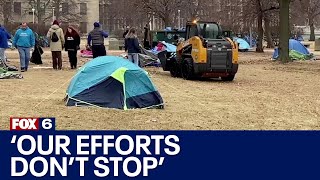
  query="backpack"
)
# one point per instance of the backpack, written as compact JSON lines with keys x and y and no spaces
{"x":54,"y":37}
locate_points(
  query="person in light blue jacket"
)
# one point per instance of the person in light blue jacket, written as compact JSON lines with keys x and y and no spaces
{"x":24,"y":40}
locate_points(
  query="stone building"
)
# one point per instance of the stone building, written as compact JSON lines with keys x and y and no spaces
{"x":81,"y":12}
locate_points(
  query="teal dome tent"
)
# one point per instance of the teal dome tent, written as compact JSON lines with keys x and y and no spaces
{"x":243,"y":44}
{"x":113,"y":82}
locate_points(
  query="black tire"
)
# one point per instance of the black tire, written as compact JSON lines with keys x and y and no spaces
{"x":175,"y":69}
{"x":187,"y":69}
{"x":228,"y":78}
{"x":243,"y":50}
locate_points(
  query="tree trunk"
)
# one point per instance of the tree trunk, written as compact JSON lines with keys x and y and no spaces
{"x":284,"y":31}
{"x":312,"y":29}
{"x":57,"y":9}
{"x":39,"y":12}
{"x":268,"y":32}
{"x":6,"y":21}
{"x":260,"y":28}
{"x":260,"y":34}
{"x":1,"y":16}
{"x":167,"y":21}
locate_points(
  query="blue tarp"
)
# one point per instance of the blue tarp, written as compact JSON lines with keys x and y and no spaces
{"x":293,"y":45}
{"x":253,"y":41}
{"x":243,"y":44}
{"x":154,"y":51}
{"x":170,"y":48}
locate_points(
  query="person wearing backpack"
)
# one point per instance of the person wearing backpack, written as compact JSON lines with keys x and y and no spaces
{"x":56,"y":36}
{"x":24,"y":40}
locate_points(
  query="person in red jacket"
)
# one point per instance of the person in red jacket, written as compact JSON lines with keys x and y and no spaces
{"x":72,"y":45}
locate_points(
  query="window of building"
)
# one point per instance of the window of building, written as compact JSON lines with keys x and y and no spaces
{"x":17,"y":8}
{"x":83,"y":8}
{"x":83,"y":27}
{"x":65,"y":8}
{"x":7,"y":8}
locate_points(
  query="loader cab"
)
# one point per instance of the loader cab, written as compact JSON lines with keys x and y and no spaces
{"x":204,"y":30}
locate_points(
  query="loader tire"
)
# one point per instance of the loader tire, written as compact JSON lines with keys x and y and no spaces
{"x":187,"y":69}
{"x":175,"y":69}
{"x":228,"y":78}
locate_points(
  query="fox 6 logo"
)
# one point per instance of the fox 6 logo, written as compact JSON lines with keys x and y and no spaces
{"x":31,"y":124}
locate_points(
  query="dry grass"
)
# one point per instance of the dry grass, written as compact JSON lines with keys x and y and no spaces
{"x":265,"y":95}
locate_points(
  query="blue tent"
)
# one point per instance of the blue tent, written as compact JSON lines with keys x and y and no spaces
{"x":243,"y":44}
{"x":300,"y":38}
{"x":113,"y":82}
{"x":293,"y":45}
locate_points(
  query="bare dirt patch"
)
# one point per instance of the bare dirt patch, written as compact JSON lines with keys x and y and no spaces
{"x":264,"y":95}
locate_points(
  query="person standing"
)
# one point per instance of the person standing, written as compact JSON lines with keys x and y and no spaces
{"x":127,"y":28}
{"x":72,"y":45}
{"x":132,"y":46}
{"x":24,"y":40}
{"x":4,"y":36}
{"x":56,"y":36}
{"x":37,"y":52}
{"x":96,"y":41}
{"x":146,"y":39}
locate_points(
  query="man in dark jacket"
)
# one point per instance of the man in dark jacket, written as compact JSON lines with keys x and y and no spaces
{"x":132,"y":46}
{"x":96,"y":41}
{"x":4,"y":36}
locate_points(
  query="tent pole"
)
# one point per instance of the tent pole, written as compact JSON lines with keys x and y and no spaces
{"x":250,"y":37}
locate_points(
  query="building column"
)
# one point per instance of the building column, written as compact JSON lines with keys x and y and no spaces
{"x":92,"y":13}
